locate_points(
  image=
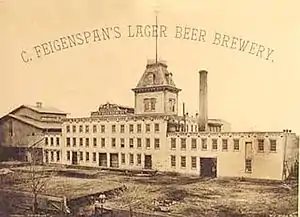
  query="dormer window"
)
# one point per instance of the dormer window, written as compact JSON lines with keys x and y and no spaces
{"x":150,"y":78}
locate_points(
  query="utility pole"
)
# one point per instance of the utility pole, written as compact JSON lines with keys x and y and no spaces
{"x":156,"y":37}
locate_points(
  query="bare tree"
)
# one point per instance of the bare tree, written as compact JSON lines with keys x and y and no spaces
{"x":38,"y":175}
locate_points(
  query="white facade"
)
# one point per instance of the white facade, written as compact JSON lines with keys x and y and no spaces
{"x":152,"y":136}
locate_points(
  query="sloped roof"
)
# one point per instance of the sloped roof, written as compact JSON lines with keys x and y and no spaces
{"x":44,"y":109}
{"x":35,"y":123}
{"x":156,"y":74}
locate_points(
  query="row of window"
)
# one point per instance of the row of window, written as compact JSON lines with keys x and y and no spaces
{"x":183,"y":159}
{"x":183,"y":162}
{"x":194,"y":128}
{"x":103,"y":142}
{"x":51,"y":157}
{"x":94,"y":157}
{"x":204,"y":146}
{"x":50,"y":141}
{"x":132,"y":128}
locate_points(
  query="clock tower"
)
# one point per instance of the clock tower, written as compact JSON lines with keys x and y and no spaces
{"x":156,"y":92}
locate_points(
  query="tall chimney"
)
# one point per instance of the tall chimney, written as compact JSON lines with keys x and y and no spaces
{"x":202,"y":119}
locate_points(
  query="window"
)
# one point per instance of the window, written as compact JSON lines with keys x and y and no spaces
{"x":131,"y":160}
{"x":81,"y":155}
{"x":183,"y":143}
{"x":260,"y":145}
{"x":11,"y":131}
{"x":148,"y":143}
{"x":139,"y":159}
{"x":183,"y":161}
{"x":214,"y":144}
{"x":68,"y":155}
{"x":68,"y":129}
{"x":272,"y":145}
{"x":94,"y":156}
{"x":113,"y":128}
{"x":81,"y":142}
{"x":102,"y":128}
{"x":51,"y":141}
{"x":236,"y":144}
{"x":46,"y":141}
{"x":95,"y":142}
{"x":87,"y":130}
{"x":224,"y":144}
{"x":139,"y":128}
{"x":173,"y":143}
{"x":87,"y":156}
{"x":74,"y":142}
{"x":192,"y":128}
{"x":139,"y":142}
{"x":194,"y":143}
{"x":57,"y":141}
{"x":94,"y":128}
{"x":194,"y":162}
{"x":147,"y":128}
{"x":131,"y":143}
{"x":87,"y":142}
{"x":113,"y":142}
{"x":156,"y":128}
{"x":102,"y":142}
{"x":122,"y":158}
{"x":80,"y":128}
{"x":156,"y":143}
{"x":52,"y":156}
{"x":122,"y":130}
{"x":58,"y":156}
{"x":248,"y":166}
{"x":131,"y":128}
{"x":74,"y":128}
{"x":122,"y":141}
{"x":204,"y":144}
{"x":68,"y":141}
{"x":172,"y":105}
{"x":149,"y":104}
{"x":153,"y":102}
{"x":173,"y":161}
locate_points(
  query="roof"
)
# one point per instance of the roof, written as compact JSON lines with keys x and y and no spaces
{"x":156,"y":74}
{"x":35,"y":123}
{"x":112,"y":109}
{"x":44,"y":109}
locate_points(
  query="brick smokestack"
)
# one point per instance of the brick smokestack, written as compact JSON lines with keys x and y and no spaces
{"x":202,"y":118}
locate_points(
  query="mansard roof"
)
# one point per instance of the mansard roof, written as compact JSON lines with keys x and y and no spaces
{"x":112,"y":109}
{"x":156,"y":77}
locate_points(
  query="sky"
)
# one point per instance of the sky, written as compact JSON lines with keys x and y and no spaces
{"x":250,"y":92}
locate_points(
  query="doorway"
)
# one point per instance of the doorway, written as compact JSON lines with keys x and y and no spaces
{"x":102,"y":159}
{"x":114,"y":160}
{"x":208,"y":167}
{"x":148,"y":162}
{"x":74,"y":158}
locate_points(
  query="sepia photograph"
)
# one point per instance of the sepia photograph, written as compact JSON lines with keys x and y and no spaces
{"x":148,"y":108}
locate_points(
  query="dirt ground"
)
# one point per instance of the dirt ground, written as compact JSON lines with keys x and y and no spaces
{"x":183,"y":196}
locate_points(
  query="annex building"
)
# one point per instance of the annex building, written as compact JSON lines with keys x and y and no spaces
{"x":152,"y":135}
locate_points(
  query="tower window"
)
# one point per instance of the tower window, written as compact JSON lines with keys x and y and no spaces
{"x":149,"y":104}
{"x":172,"y":105}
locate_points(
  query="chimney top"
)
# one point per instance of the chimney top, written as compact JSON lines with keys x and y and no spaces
{"x":39,"y":104}
{"x":203,"y":71}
